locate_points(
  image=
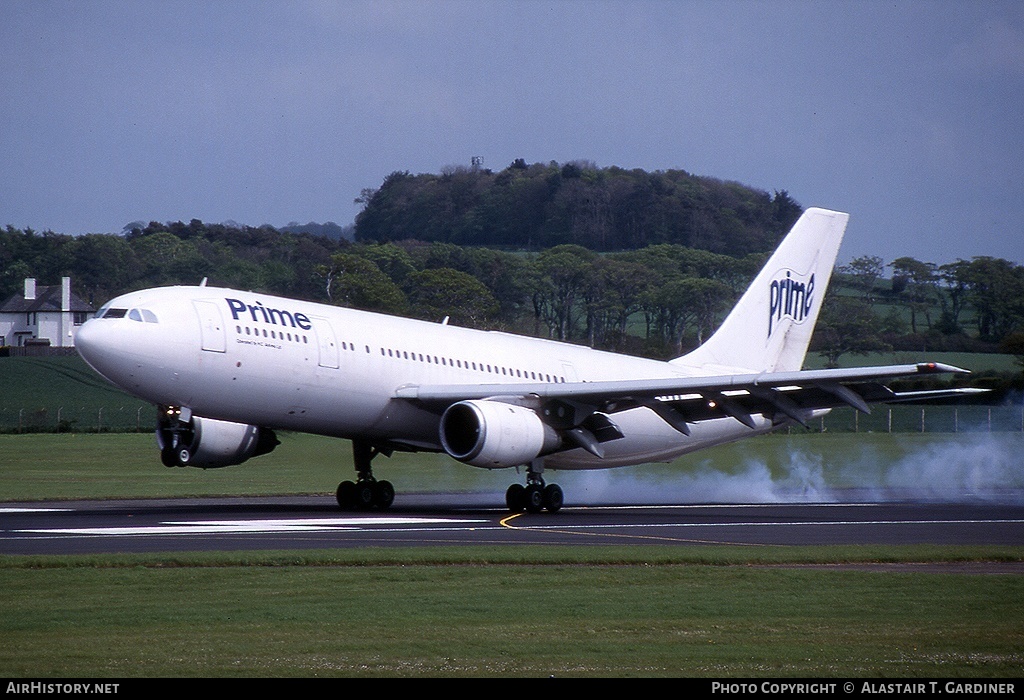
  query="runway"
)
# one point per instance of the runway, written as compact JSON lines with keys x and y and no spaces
{"x":308,"y":522}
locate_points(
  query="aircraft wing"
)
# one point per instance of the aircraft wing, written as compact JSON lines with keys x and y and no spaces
{"x":684,"y":400}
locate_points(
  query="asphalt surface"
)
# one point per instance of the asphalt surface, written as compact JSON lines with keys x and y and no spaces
{"x":305,"y":522}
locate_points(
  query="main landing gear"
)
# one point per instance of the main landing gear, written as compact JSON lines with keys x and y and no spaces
{"x":366,"y":493}
{"x":536,"y":495}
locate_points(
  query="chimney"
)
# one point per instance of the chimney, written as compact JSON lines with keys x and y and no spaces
{"x":65,"y":294}
{"x":30,"y":288}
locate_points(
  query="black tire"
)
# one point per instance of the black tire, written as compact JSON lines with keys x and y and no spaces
{"x":515,"y":498}
{"x":346,"y":495}
{"x":553,"y":498}
{"x":366,"y":493}
{"x":534,"y":498}
{"x":384,"y":494}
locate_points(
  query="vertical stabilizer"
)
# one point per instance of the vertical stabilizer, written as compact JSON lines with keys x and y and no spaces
{"x":771,"y":326}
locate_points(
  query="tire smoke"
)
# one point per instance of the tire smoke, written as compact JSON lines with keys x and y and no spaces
{"x":964,"y":467}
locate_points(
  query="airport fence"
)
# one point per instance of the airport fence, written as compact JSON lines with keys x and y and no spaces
{"x":140,"y":417}
{"x":134,"y":418}
{"x":922,"y":419}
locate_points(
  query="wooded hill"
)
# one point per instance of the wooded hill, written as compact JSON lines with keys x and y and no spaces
{"x":533,"y":207}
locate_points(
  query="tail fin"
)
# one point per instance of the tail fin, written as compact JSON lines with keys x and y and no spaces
{"x":770,"y":327}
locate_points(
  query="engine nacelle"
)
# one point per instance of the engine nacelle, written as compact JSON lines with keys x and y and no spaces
{"x":494,"y":435}
{"x":209,"y":443}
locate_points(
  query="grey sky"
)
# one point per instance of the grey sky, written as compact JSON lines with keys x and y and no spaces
{"x":909,"y":115}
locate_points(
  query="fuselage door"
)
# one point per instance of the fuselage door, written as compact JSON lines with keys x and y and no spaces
{"x":569,"y":371}
{"x":325,"y":339}
{"x":211,"y":325}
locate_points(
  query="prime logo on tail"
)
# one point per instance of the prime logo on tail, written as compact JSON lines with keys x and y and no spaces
{"x":789,"y":296}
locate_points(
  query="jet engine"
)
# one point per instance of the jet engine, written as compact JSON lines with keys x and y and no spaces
{"x":209,"y":443}
{"x":493,"y":435}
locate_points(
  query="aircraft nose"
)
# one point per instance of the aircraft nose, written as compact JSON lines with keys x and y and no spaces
{"x":85,"y":337}
{"x":95,"y":343}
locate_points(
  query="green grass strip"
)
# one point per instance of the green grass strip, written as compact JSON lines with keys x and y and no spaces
{"x":409,"y":615}
{"x":534,"y":555}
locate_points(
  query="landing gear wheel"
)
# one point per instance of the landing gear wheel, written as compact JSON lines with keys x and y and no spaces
{"x":346,"y":495}
{"x":384,"y":494}
{"x":534,"y":498}
{"x":515,"y":498}
{"x":365,"y":495}
{"x":553,"y":498}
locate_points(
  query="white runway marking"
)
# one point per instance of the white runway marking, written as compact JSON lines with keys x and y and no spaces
{"x":795,"y":523}
{"x":33,"y":510}
{"x":206,"y":527}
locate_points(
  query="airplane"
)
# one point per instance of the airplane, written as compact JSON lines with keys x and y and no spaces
{"x":227,"y":368}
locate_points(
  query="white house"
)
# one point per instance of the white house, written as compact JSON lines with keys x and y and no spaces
{"x":43,"y":316}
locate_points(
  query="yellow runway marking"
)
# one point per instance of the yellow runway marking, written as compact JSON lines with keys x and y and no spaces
{"x":507,"y":523}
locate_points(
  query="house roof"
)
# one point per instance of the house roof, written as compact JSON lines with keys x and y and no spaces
{"x":47,"y":299}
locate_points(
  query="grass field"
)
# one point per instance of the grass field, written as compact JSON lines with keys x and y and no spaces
{"x":807,"y":466}
{"x":63,"y":393}
{"x":461,"y":614}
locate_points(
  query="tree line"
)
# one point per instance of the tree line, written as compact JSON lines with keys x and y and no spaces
{"x":658,"y":299}
{"x":974,"y":305}
{"x":102,"y":266}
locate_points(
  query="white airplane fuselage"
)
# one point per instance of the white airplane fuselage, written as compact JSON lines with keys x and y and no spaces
{"x":301,"y":366}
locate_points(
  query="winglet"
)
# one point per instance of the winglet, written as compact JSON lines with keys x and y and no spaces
{"x":939,"y":368}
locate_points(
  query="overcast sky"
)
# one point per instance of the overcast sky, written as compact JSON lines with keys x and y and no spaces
{"x":907,"y":114}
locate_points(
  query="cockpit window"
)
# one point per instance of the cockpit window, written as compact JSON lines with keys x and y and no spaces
{"x":142,"y":315}
{"x":112,"y":313}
